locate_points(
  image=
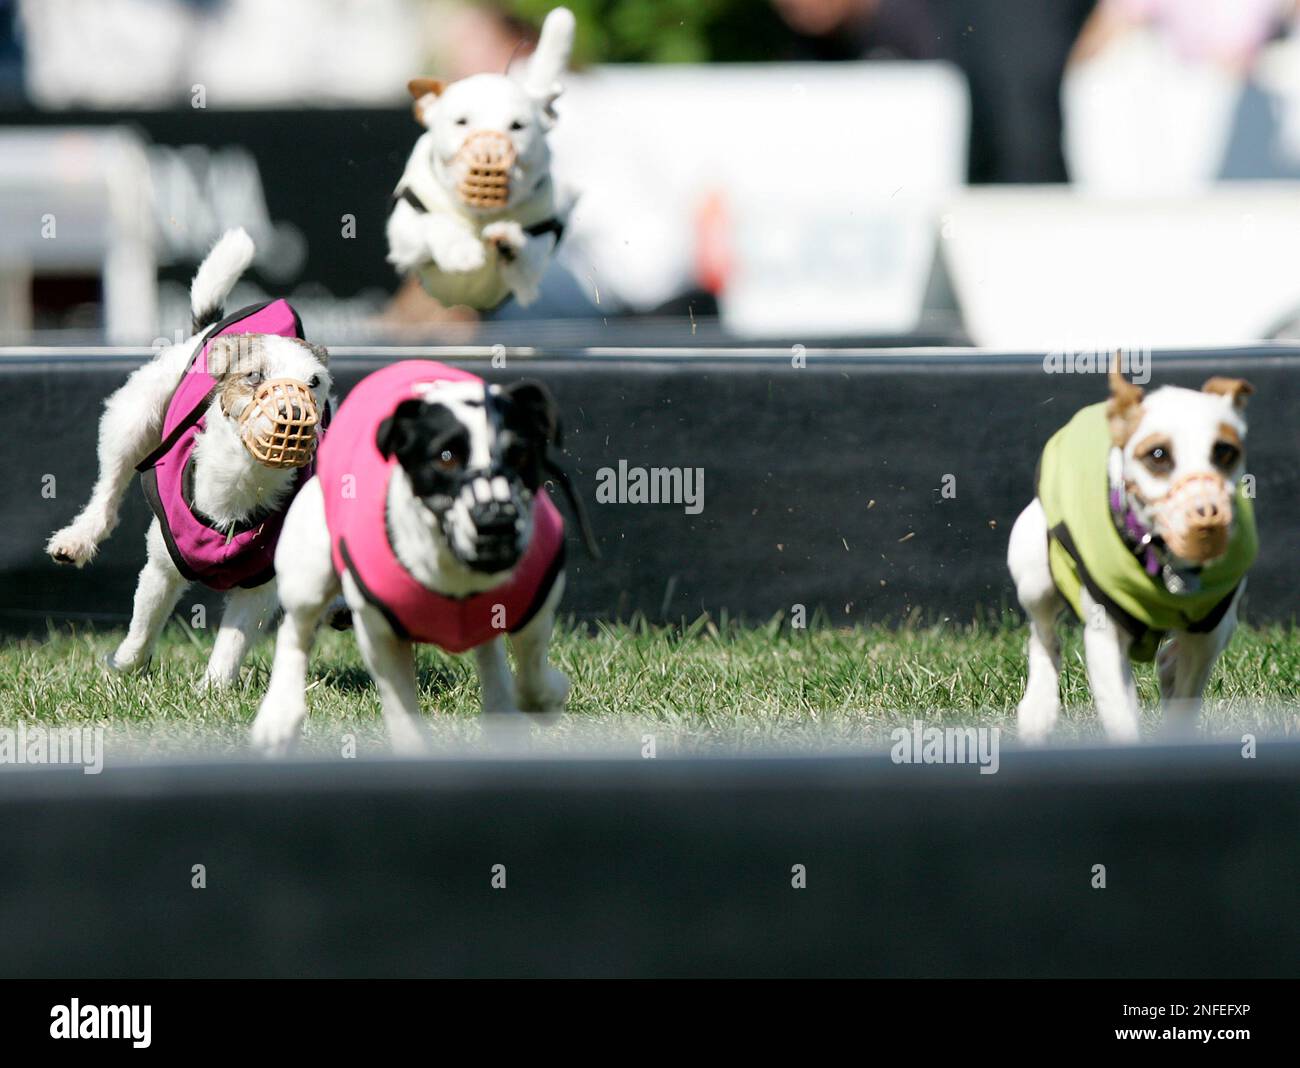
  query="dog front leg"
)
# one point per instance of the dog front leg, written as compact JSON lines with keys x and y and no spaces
{"x":453,"y":247}
{"x":158,"y":589}
{"x":1106,"y":645}
{"x":539,"y":687}
{"x":1185,"y":667}
{"x":306,"y":584}
{"x":496,"y":687}
{"x":391,"y":661}
{"x":522,"y":258}
{"x":246,"y":614}
{"x":1028,"y":562}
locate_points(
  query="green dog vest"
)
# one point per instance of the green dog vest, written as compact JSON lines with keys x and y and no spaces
{"x":1085,"y":548}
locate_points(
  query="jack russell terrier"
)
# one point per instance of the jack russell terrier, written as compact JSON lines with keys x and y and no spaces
{"x":429,"y":514}
{"x":223,"y":429}
{"x":475,"y":214}
{"x":1142,"y":527}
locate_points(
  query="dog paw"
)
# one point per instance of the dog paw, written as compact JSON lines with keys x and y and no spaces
{"x":275,"y":730}
{"x":116,"y":664}
{"x":72,"y":545}
{"x":460,"y":257}
{"x":507,"y":237}
{"x":544,"y":697}
{"x":218,"y":679}
{"x":1034,"y":722}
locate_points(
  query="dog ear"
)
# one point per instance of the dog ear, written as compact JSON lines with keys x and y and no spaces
{"x":421,"y":89}
{"x":531,"y":411}
{"x":1238,"y":390}
{"x":1124,"y":409}
{"x":545,"y":101}
{"x":319,"y":351}
{"x":397,"y":432}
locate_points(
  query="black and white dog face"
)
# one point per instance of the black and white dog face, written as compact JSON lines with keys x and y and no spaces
{"x":473,"y":457}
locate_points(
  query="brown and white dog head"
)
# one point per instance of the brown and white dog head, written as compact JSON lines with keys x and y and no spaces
{"x":1184,"y":452}
{"x":488,"y":146}
{"x":273,"y":390}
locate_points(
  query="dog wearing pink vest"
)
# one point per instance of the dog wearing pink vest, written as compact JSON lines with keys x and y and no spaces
{"x":223,"y":430}
{"x":428,"y":514}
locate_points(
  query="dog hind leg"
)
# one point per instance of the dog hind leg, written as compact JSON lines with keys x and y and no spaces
{"x":158,"y":589}
{"x":1038,"y":710}
{"x":129,"y":430}
{"x":246,"y":615}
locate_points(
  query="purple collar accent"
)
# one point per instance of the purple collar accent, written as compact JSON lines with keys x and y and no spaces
{"x":1135,"y":533}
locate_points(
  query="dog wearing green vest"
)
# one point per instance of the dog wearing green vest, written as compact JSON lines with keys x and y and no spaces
{"x":1143,"y":527}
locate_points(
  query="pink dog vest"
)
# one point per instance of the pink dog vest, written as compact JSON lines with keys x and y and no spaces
{"x":219,"y":559}
{"x":354,"y":479}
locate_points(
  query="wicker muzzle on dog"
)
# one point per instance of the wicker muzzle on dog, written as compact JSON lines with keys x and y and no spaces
{"x":1196,"y":517}
{"x":484,"y":162}
{"x":290,"y":409}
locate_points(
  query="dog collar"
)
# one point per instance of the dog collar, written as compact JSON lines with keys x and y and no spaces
{"x":1141,"y":540}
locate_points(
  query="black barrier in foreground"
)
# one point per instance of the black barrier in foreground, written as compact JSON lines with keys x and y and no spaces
{"x":870,"y":487}
{"x":667,"y":867}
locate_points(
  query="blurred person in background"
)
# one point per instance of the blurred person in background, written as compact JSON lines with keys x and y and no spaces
{"x":1013,"y":56}
{"x":1166,"y":95}
{"x":12,"y":92}
{"x":859,"y":29}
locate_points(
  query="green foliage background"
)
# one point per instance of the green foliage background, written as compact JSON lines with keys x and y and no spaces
{"x":667,"y":31}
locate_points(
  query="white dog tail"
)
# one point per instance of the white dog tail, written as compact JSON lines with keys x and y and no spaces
{"x":217,"y":276}
{"x":550,"y":59}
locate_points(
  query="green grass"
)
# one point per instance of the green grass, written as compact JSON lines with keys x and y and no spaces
{"x":693,"y":688}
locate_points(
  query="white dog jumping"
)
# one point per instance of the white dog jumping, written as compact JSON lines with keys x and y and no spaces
{"x":475,"y":214}
{"x":1142,"y":527}
{"x":429,"y":515}
{"x":223,"y":430}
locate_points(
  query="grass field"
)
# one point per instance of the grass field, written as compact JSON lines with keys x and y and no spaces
{"x":693,"y":688}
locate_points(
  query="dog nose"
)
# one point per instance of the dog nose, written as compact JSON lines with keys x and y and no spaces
{"x":1205,"y":513}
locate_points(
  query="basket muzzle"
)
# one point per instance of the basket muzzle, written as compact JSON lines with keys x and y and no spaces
{"x":1195,"y":517}
{"x":279,"y":425}
{"x":483,"y":164}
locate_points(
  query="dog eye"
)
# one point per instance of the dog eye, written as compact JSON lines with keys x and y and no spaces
{"x":462,"y":121}
{"x":1159,"y":459}
{"x":1225,"y":454}
{"x":447,"y":461}
{"x":313,"y":382}
{"x":516,"y":125}
{"x":253,"y":378}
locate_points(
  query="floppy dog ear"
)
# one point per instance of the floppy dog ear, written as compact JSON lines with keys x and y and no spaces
{"x":1238,"y":390}
{"x":1124,"y":409}
{"x":424,"y":91}
{"x":531,"y":411}
{"x":397,"y":432}
{"x":319,"y":351}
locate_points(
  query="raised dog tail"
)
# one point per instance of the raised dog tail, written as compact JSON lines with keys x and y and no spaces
{"x":217,"y":276}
